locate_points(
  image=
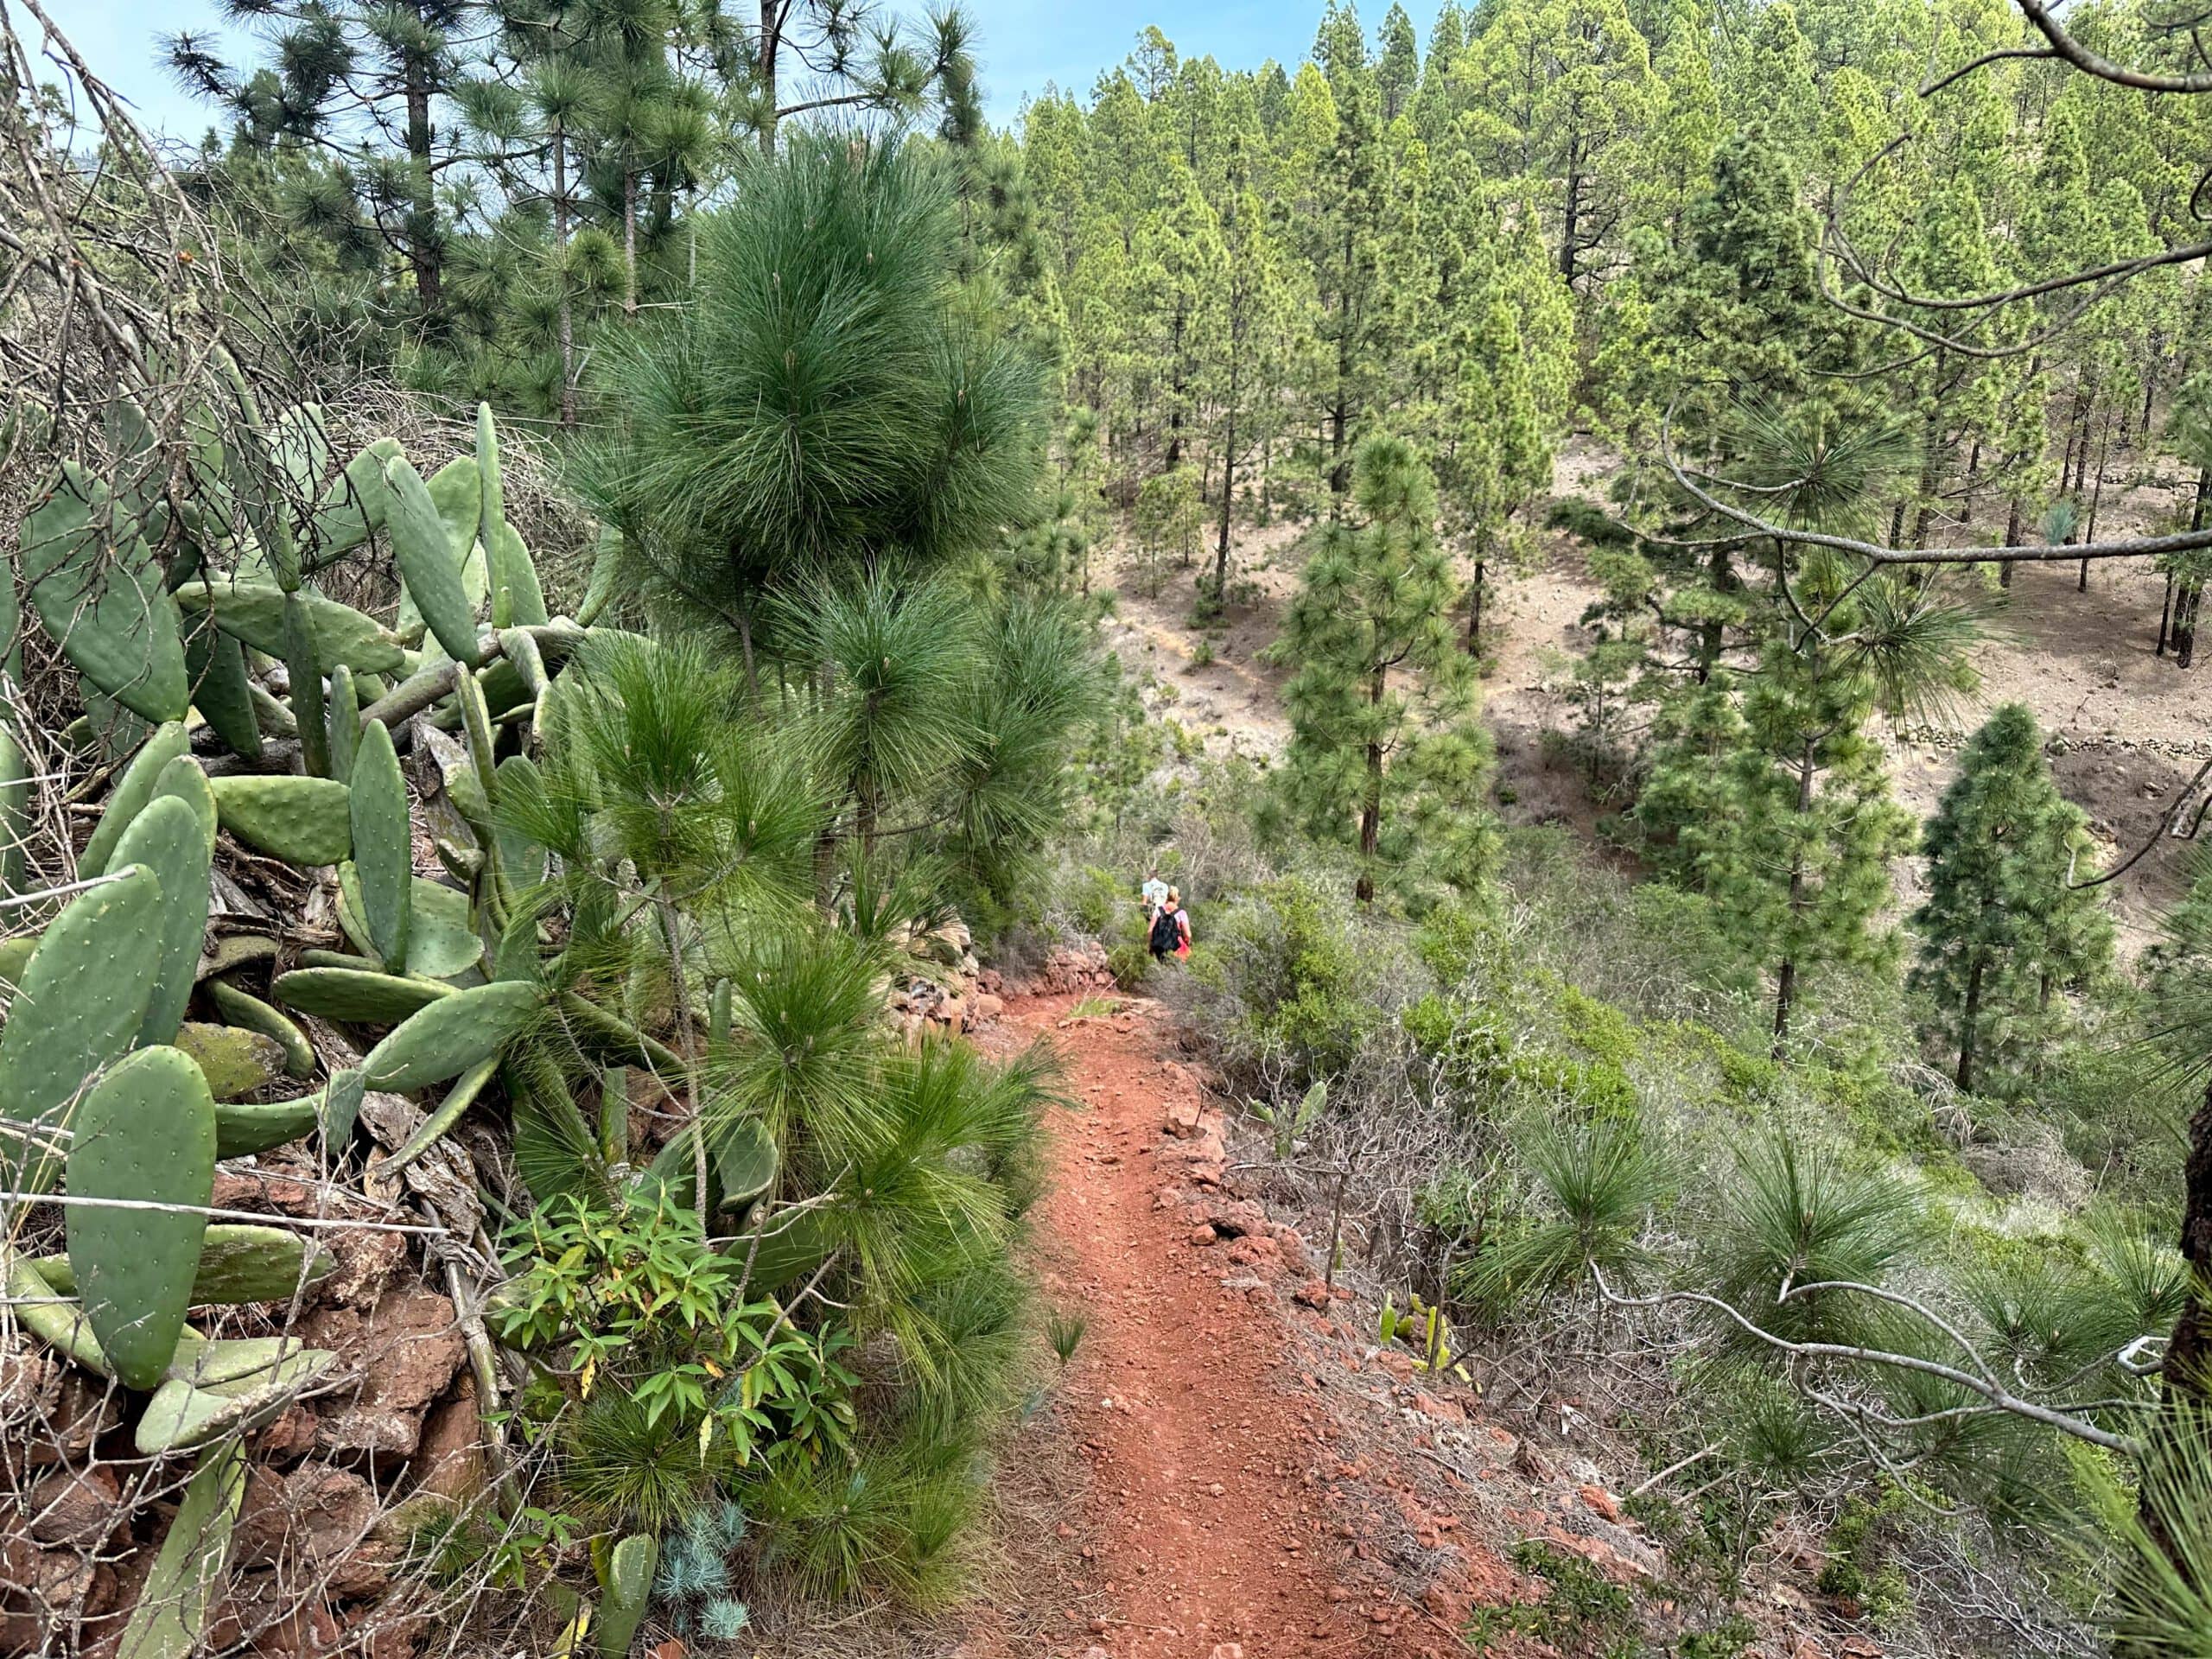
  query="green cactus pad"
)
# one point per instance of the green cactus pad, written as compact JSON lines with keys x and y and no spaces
{"x":254,"y":611}
{"x":745,"y":1162}
{"x":430,"y":564}
{"x":452,"y":1035}
{"x":15,"y":811}
{"x":343,"y":722}
{"x":60,"y":1325}
{"x":433,"y":1129}
{"x":221,"y":690}
{"x":183,"y":779}
{"x":78,"y":1006}
{"x":14,"y":956}
{"x":144,"y":1131}
{"x":627,"y":1586}
{"x":250,"y":1013}
{"x":354,"y":997}
{"x":236,"y":1062}
{"x":341,"y":1107}
{"x":242,"y":1128}
{"x":183,"y":1415}
{"x":187,"y":1580}
{"x":383,"y":847}
{"x":303,"y":661}
{"x":237,"y":1264}
{"x":512,"y":565}
{"x":457,"y":488}
{"x":169,"y":839}
{"x":107,"y":607}
{"x":306,"y":821}
{"x":356,"y":506}
{"x":132,"y":791}
{"x":441,"y":940}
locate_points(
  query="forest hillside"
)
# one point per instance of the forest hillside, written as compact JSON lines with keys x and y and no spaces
{"x":1390,"y":855}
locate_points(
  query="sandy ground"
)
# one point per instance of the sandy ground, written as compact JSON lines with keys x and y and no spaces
{"x":2127,"y":728}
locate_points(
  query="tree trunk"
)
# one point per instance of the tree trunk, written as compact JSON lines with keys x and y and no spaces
{"x":1475,"y":608}
{"x":1969,"y":1024}
{"x":1371,"y":804}
{"x":2096,"y":496}
{"x":2012,"y":539}
{"x":2185,"y":625}
{"x":423,"y":254}
{"x":1228,"y":496}
{"x":567,"y":321}
{"x":2166,"y":615}
{"x":1785,"y":992}
{"x":1785,"y":981}
{"x":771,"y":40}
{"x":629,"y":242}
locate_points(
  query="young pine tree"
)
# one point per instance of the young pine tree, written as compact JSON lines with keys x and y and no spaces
{"x":1374,"y":611}
{"x":2001,"y":925}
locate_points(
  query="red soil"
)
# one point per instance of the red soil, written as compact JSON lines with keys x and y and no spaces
{"x":1214,"y":1532}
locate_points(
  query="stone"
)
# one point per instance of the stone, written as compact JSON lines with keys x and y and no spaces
{"x":449,"y":1459}
{"x":1227,"y":1650}
{"x":1443,"y":1411}
{"x":74,"y":1506}
{"x":1312,"y":1294}
{"x":1202,"y":1236}
{"x":317,"y":1520}
{"x":1237,"y":1217}
{"x":1255,"y":1252}
{"x":405,"y":1351}
{"x":1601,"y":1501}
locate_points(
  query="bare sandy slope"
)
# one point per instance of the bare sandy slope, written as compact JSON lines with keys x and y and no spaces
{"x":2129,"y":729}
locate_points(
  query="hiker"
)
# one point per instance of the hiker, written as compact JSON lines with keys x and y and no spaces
{"x":1154,"y":892}
{"x":1171,"y":928}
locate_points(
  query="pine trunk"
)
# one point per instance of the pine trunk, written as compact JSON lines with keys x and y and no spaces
{"x":1371,"y":804}
{"x":1969,"y":1026}
{"x":568,"y":321}
{"x":629,"y":242}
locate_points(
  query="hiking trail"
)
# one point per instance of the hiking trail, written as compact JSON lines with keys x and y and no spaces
{"x":1215,"y":1525}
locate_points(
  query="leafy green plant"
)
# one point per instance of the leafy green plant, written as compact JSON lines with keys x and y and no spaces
{"x":1292,"y":1124}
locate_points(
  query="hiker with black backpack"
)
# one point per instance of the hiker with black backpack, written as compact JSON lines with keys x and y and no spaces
{"x":1171,"y":928}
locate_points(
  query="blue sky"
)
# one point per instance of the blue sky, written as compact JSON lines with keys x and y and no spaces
{"x":1025,"y":43}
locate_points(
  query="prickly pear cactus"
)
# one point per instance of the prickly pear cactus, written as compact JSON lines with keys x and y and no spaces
{"x":144,"y":1135}
{"x":78,"y":1005}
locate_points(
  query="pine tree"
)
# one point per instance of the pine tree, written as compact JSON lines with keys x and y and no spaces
{"x":1377,"y":665}
{"x":1797,"y":848}
{"x":345,"y":67}
{"x":2004,"y":922}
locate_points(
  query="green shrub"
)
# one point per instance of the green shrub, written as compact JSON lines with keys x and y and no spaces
{"x":1292,"y":980}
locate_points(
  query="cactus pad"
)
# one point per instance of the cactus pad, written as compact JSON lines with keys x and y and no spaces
{"x":356,"y":997}
{"x":430,"y":564}
{"x":301,"y":820}
{"x":108,"y":607}
{"x":187,"y":1580}
{"x":169,"y":840}
{"x":383,"y":847}
{"x":131,"y":792}
{"x":144,"y":1131}
{"x":254,"y":611}
{"x":78,"y":1006}
{"x":236,"y":1264}
{"x":235,"y":1062}
{"x":220,"y":689}
{"x":452,"y":1035}
{"x":242,"y":1128}
{"x":626,"y":1584}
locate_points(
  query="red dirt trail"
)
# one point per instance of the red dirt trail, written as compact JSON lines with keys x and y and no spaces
{"x":1213,"y":1522}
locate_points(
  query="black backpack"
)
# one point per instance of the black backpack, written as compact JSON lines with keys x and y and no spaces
{"x":1166,"y":935}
